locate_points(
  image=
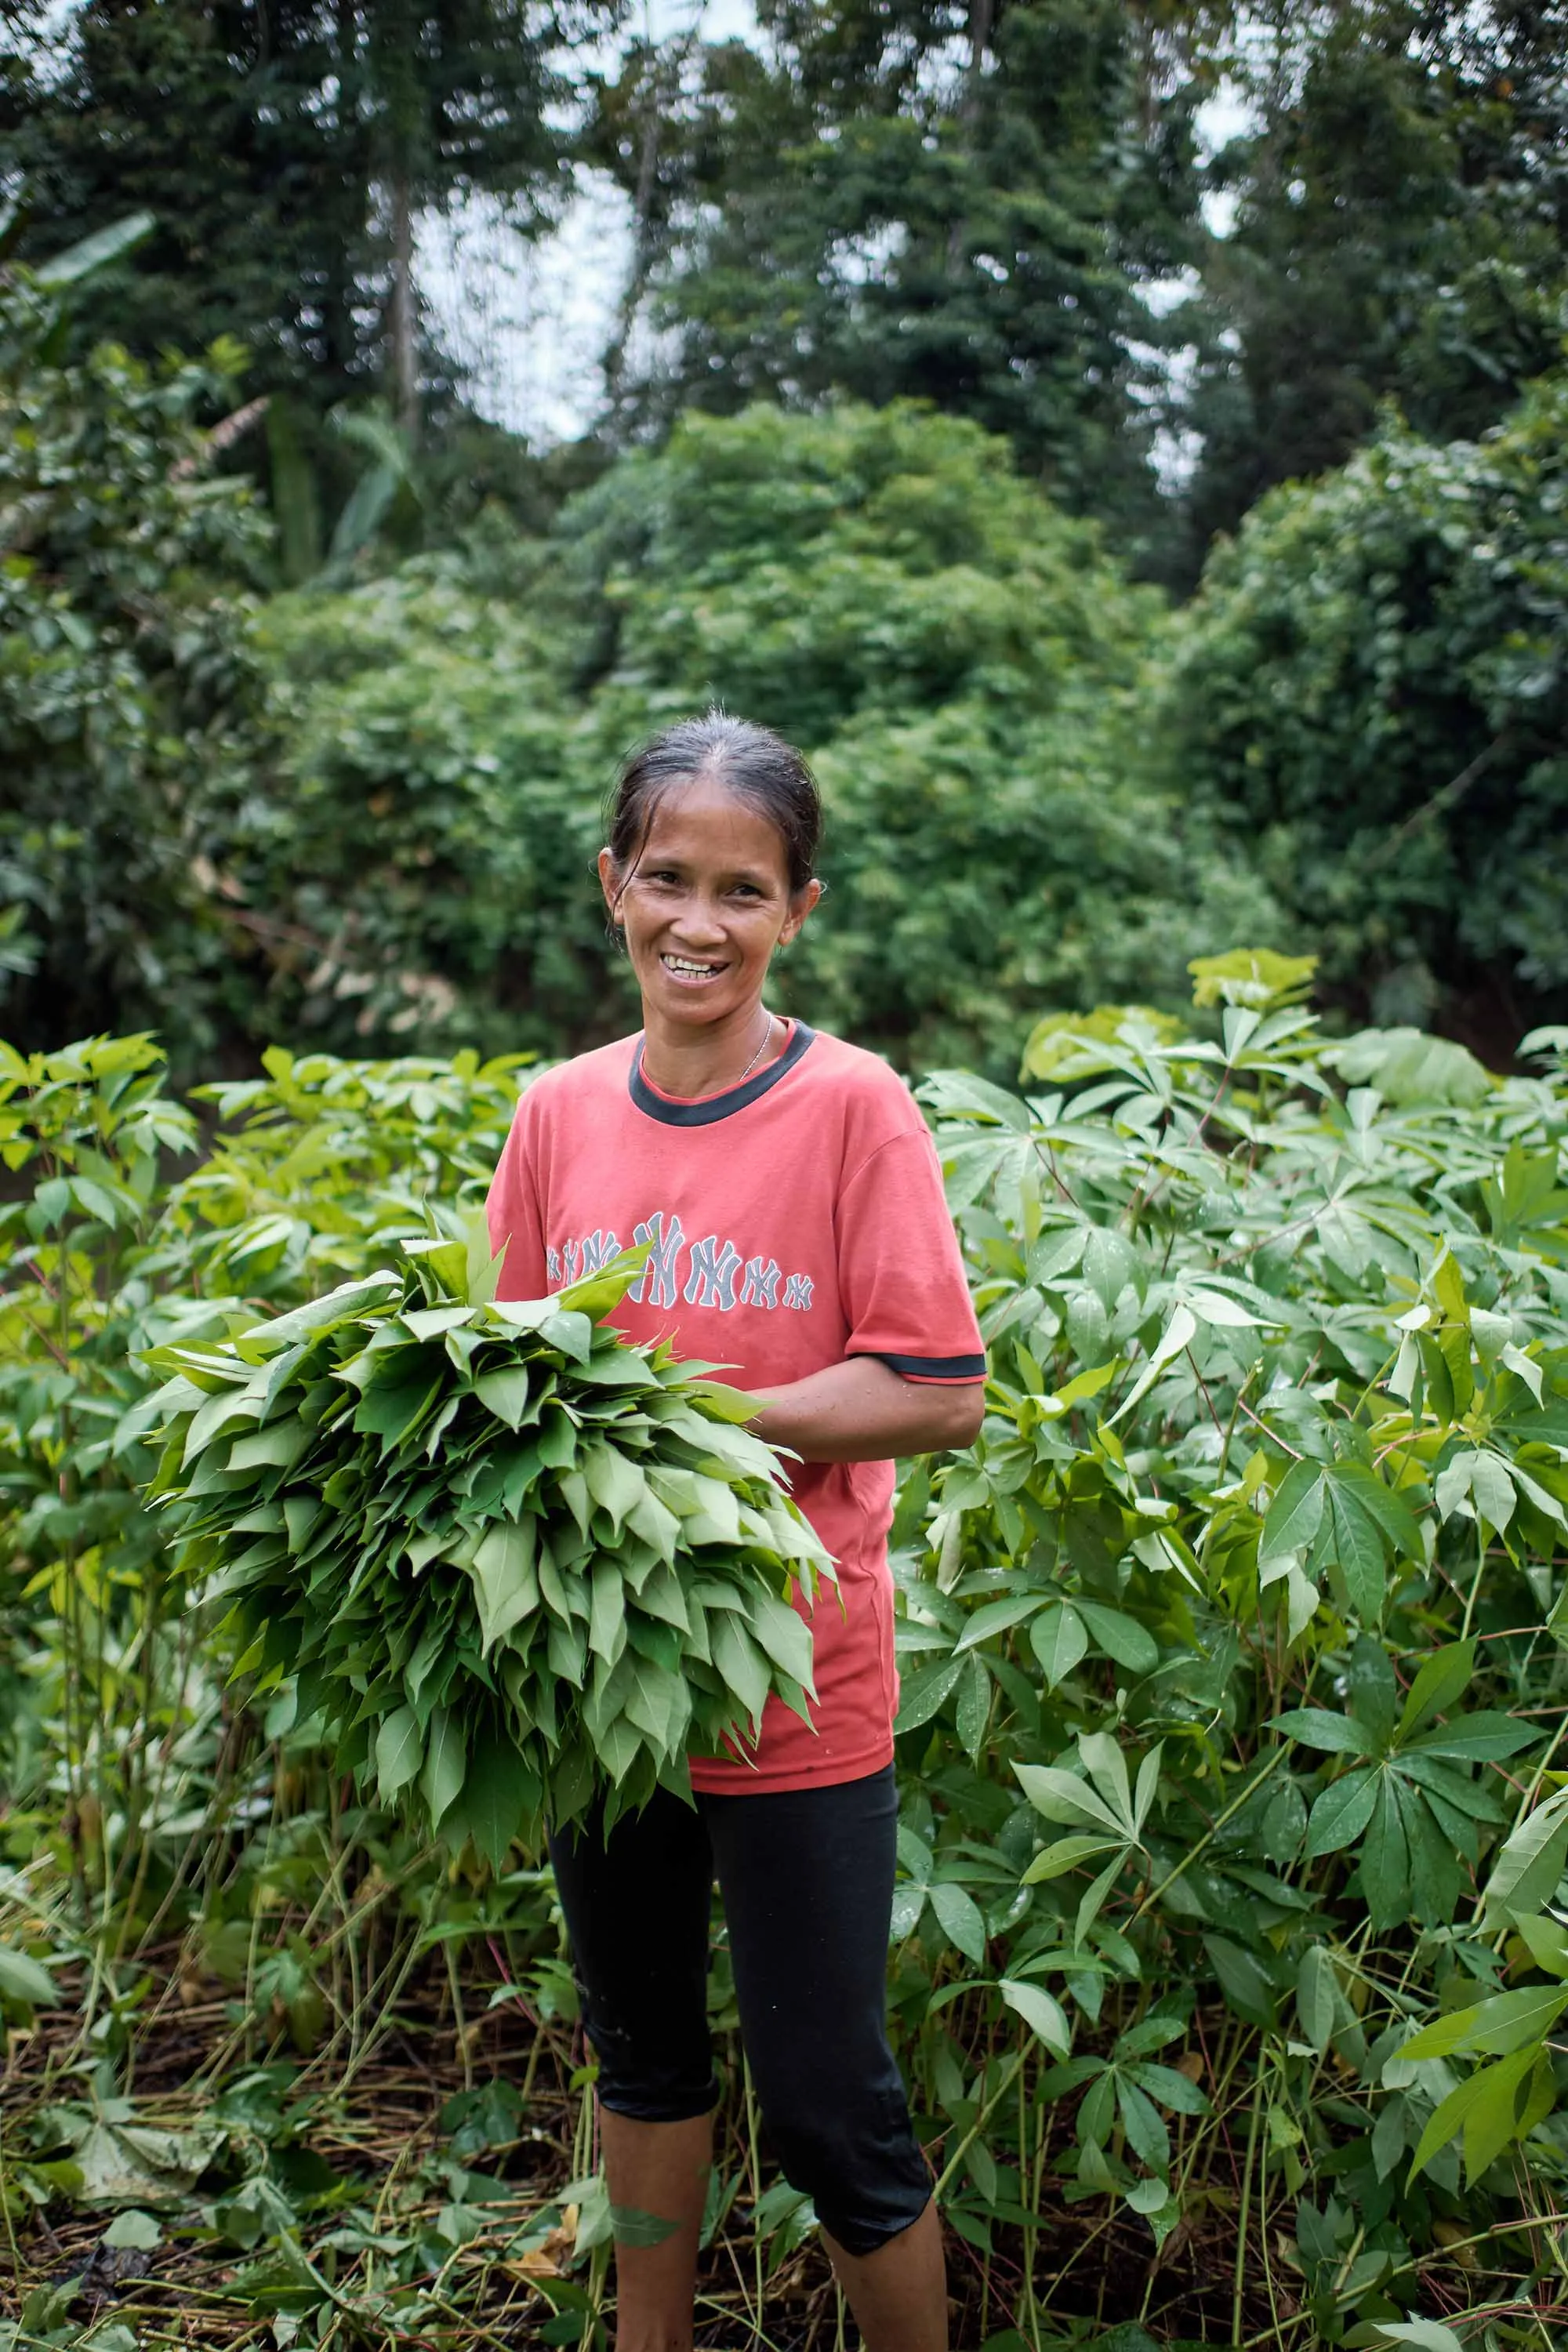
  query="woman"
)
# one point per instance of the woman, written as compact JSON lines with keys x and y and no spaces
{"x":791,"y":1202}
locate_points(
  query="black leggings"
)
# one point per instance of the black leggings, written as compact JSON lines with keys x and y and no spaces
{"x":806,"y":1878}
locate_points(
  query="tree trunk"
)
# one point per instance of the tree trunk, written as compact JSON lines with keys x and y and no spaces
{"x":400,"y":316}
{"x":645,"y":235}
{"x":982,"y":18}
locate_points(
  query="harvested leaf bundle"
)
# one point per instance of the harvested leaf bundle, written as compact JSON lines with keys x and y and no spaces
{"x":511,"y":1561}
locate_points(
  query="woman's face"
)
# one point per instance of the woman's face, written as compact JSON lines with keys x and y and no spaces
{"x":706,"y":904}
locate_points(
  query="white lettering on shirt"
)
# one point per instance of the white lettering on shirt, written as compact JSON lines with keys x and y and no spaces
{"x":714,"y":1272}
{"x":661,"y":1276}
{"x":763,"y":1279}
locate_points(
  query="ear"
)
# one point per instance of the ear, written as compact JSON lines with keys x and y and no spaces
{"x":608,"y":883}
{"x":800,"y":907}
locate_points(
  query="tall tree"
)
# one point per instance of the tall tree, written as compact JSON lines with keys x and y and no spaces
{"x":954,"y":200}
{"x":285,"y":148}
{"x":1400,"y":234}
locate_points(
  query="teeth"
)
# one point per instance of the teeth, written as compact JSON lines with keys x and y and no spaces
{"x":679,"y":963}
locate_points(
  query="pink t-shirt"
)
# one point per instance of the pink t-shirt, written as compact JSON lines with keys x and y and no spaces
{"x":796,"y":1220}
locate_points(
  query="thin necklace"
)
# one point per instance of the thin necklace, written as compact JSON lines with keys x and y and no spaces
{"x":731,"y":1084}
{"x":756,"y":1057}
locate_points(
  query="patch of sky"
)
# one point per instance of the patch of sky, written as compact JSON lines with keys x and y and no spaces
{"x":529,"y":318}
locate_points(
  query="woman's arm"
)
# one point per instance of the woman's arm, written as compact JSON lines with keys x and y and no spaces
{"x":862,"y":1410}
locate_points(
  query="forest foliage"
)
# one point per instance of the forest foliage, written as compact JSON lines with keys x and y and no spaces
{"x":947,"y":331}
{"x":367,"y":812}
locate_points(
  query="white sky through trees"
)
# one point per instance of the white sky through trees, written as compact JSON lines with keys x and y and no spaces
{"x":530,"y":321}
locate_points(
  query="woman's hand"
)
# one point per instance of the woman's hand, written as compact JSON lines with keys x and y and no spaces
{"x":862,"y":1410}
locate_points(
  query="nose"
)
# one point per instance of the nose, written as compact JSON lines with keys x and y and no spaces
{"x":698,"y":923}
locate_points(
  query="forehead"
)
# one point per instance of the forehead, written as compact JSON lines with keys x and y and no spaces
{"x":704,"y":824}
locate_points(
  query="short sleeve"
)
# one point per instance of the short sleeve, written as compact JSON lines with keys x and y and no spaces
{"x":901,"y":1272}
{"x":512,"y":1211}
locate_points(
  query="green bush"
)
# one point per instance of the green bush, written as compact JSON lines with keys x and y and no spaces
{"x":127,"y":692}
{"x":423,"y":864}
{"x":1370,"y":695}
{"x":964,"y":665}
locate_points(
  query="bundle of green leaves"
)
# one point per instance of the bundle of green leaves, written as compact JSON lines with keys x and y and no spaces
{"x":510,"y":1561}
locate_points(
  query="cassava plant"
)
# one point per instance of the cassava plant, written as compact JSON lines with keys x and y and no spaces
{"x":509,"y":1561}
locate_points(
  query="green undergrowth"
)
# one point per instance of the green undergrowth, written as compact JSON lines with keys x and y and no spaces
{"x":1229,"y":1956}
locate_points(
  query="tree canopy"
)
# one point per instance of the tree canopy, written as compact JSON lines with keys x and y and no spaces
{"x":932,"y":200}
{"x":1372,"y":689}
{"x":1400,"y":233}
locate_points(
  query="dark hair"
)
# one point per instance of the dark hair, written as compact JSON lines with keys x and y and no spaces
{"x":757,"y":766}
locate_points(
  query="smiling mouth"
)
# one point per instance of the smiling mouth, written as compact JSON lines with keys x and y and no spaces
{"x":687,"y":969}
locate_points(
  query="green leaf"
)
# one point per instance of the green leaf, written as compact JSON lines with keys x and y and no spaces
{"x":1385,"y":1857}
{"x":1356,"y":1545}
{"x":1531,"y":1860}
{"x":1067,"y":1854}
{"x":1146,"y":2134}
{"x":399,"y":1750}
{"x":1040,"y":2011}
{"x":507,"y":1394}
{"x":1062,"y":1796}
{"x":1092,"y":1902}
{"x":25,"y":1979}
{"x":1250,"y":976}
{"x":1484,"y":1737}
{"x":1171,"y":2088}
{"x":1295,"y":1512}
{"x":135,"y":2230}
{"x":494,"y":1798}
{"x":1242,"y":1981}
{"x":607,"y":1612}
{"x":1343,"y":1812}
{"x":974,"y":1710}
{"x":784,"y":1634}
{"x":742,"y":1665}
{"x":925,"y":1693}
{"x":506,"y":1585}
{"x":634,"y":2226}
{"x":617,"y":1484}
{"x":95,"y":252}
{"x":1120,"y":1637}
{"x":997,"y":1616}
{"x":1177,"y":1334}
{"x":441,"y":1781}
{"x":1426,"y":2334}
{"x":1357,"y":1483}
{"x":1546,"y":1942}
{"x":1492,"y":2028}
{"x":1060,"y":1641}
{"x":1315,"y":1727}
{"x":655,"y":1703}
{"x":1441,"y":1679}
{"x":959,"y":1917}
{"x":1484,"y":2109}
{"x":1317,"y":1997}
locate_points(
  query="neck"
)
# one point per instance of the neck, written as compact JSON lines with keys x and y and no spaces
{"x":691,"y":1061}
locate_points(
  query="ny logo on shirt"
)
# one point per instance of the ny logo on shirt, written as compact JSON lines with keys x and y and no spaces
{"x":716,"y":1273}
